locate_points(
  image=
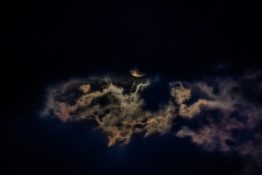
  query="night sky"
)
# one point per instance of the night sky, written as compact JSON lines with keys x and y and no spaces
{"x":48,"y":42}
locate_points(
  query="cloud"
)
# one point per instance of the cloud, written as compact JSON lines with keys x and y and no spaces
{"x":118,"y":114}
{"x":236,"y":113}
{"x":225,"y":111}
{"x":237,"y":126}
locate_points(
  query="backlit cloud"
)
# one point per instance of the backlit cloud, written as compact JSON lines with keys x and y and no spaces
{"x":221,"y":109}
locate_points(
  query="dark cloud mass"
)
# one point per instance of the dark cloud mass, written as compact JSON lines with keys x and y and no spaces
{"x":218,"y":114}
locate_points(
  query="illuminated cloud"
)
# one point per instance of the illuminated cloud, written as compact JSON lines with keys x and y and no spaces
{"x":117,"y":106}
{"x":235,"y":114}
{"x":223,"y":116}
{"x":119,"y":113}
{"x":237,"y":126}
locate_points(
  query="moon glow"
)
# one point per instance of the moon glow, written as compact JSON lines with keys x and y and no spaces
{"x":136,"y":73}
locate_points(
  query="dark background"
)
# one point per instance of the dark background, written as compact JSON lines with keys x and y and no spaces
{"x":45,"y":42}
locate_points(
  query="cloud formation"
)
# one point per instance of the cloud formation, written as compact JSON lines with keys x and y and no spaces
{"x":225,"y":112}
{"x":117,"y":111}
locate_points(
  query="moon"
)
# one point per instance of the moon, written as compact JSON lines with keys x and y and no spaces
{"x":136,"y":73}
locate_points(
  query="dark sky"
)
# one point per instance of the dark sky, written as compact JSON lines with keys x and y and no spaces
{"x":49,"y":41}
